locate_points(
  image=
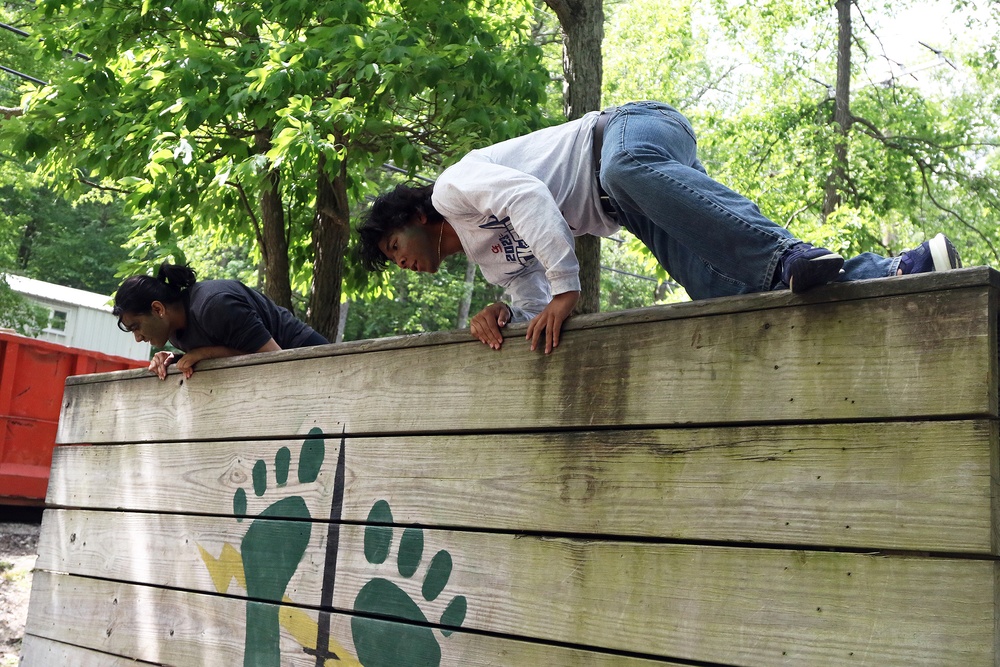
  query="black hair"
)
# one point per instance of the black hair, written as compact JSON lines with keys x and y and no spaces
{"x":390,"y":211}
{"x":136,"y":294}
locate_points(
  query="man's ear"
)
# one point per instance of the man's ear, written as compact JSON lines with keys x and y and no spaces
{"x":421,"y":218}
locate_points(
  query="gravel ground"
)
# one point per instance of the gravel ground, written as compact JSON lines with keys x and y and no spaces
{"x":18,"y":549}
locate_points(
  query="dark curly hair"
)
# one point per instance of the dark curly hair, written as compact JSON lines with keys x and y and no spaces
{"x":136,"y":294}
{"x":390,"y":211}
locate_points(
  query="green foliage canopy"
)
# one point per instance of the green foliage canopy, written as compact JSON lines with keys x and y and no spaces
{"x":19,"y":314}
{"x":753,"y":77}
{"x":191,"y":107}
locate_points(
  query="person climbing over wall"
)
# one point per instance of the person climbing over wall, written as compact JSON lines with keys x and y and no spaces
{"x":208,"y":319}
{"x":514,"y":208}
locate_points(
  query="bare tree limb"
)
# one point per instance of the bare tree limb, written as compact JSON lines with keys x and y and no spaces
{"x":249,"y":209}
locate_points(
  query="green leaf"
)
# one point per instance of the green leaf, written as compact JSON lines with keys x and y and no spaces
{"x":162,"y":233}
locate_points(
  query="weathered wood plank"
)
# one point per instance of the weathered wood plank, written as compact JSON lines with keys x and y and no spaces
{"x":192,"y":552}
{"x":730,"y":606}
{"x":979,"y":276}
{"x":716,"y":604}
{"x":172,"y":627}
{"x":152,"y":624}
{"x":864,"y":359}
{"x":922,"y":486}
{"x":41,"y":652}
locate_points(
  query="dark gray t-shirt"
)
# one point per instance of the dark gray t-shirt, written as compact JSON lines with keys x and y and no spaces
{"x":227,"y":312}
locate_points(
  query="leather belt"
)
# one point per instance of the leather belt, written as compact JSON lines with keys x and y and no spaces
{"x":598,"y":143}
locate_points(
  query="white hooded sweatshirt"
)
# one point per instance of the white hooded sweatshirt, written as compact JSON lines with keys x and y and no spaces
{"x":517,"y":205}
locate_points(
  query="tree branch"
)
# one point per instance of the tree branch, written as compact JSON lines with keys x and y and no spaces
{"x":98,"y":186}
{"x":253,"y":217}
{"x":955,"y":214}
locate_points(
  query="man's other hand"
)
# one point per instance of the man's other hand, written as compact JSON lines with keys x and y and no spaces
{"x":548,"y":323}
{"x":487,"y":323}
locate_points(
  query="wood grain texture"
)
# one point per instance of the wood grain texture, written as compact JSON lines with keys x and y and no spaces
{"x":755,"y":607}
{"x":180,"y":628}
{"x":41,"y":652}
{"x":774,"y":479}
{"x":152,"y":624}
{"x":979,"y":276}
{"x":723,"y":605}
{"x":856,"y":360}
{"x":171,"y":550}
{"x":922,"y":486}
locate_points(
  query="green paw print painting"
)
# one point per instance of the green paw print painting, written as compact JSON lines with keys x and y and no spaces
{"x":272,"y":550}
{"x":382,"y":644}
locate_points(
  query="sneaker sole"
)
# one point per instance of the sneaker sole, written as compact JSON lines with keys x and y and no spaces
{"x":818,"y":271}
{"x":945,"y":257}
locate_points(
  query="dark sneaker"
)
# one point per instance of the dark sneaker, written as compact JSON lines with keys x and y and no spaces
{"x":804,"y":266}
{"x":938,"y":254}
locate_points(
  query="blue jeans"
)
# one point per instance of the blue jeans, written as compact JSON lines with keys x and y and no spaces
{"x":710,"y":239}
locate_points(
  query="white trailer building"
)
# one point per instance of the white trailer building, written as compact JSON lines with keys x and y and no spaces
{"x":79,"y":318}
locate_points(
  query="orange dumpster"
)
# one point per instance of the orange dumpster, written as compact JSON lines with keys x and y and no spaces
{"x":32,"y":376}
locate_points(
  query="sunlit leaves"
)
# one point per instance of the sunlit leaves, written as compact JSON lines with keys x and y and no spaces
{"x":188,"y":104}
{"x":921,"y":158}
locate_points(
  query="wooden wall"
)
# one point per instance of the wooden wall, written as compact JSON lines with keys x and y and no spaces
{"x":764,"y":480}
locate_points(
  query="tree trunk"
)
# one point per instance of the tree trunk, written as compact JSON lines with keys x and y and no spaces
{"x":273,"y":234}
{"x":24,"y":248}
{"x":582,"y":24}
{"x":342,"y":321}
{"x":466,"y":303}
{"x":836,"y":182}
{"x":588,"y":253}
{"x":331,"y":231}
